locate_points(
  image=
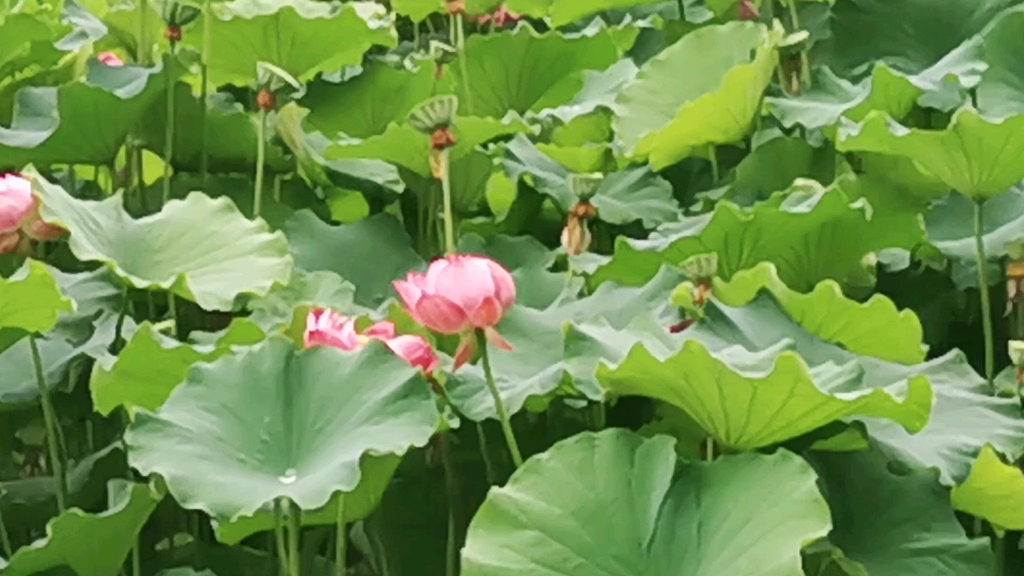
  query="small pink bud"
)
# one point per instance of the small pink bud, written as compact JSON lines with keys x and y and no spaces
{"x":110,"y":59}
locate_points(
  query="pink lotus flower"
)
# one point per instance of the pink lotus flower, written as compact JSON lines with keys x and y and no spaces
{"x":19,"y":216}
{"x":501,"y":16}
{"x":110,"y":59}
{"x":460,"y":294}
{"x":325,"y":327}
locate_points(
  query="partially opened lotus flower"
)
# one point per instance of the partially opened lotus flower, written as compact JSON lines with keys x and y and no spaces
{"x":19,"y":216}
{"x":110,"y":59}
{"x":326,"y":327}
{"x":460,"y":294}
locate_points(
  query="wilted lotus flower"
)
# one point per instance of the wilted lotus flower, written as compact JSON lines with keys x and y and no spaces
{"x":460,"y":294}
{"x":19,"y":215}
{"x":326,"y":327}
{"x":110,"y":59}
{"x":501,"y":16}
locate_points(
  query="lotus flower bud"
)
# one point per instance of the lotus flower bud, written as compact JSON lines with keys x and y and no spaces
{"x":326,"y":327}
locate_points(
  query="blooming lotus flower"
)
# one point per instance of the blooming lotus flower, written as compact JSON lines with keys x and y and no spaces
{"x":19,"y":215}
{"x":110,"y":59}
{"x":501,"y":16}
{"x":326,"y":327}
{"x":460,"y":294}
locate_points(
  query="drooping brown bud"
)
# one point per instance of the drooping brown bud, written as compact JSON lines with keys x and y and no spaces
{"x":682,"y":325}
{"x":702,"y":293}
{"x":576,"y":238}
{"x":442,"y":138}
{"x":172,"y":33}
{"x":438,"y":70}
{"x":266,"y":100}
{"x":1014,"y":285}
{"x":747,"y":11}
{"x":584,"y":210}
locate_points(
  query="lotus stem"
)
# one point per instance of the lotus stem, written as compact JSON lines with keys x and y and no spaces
{"x":204,"y":162}
{"x":119,"y":327}
{"x":446,"y":191}
{"x":277,"y":188}
{"x":682,"y":10}
{"x":499,"y":404}
{"x":294,"y":531}
{"x":709,"y":445}
{"x":713,"y":158}
{"x":261,"y":153}
{"x":986,"y":304}
{"x":341,"y":541}
{"x":481,"y":436}
{"x":451,"y":547}
{"x":1000,"y":553}
{"x":172,"y":307}
{"x":141,"y":55}
{"x":805,"y":62}
{"x":459,"y":36}
{"x":168,"y":129}
{"x":137,"y":558}
{"x":52,"y":429}
{"x":5,"y":538}
{"x":279,"y":535}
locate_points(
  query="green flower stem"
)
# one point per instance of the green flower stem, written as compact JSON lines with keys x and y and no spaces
{"x":481,"y":436}
{"x":141,"y":55}
{"x":713,"y":158}
{"x":279,"y":535}
{"x":451,"y":546}
{"x":168,"y":129}
{"x":119,"y":327}
{"x":1000,"y":554}
{"x":261,"y":153}
{"x":459,"y":39}
{"x":204,"y":166}
{"x":446,"y":191}
{"x":986,"y":304}
{"x":341,"y":540}
{"x":172,"y":307}
{"x":709,"y":445}
{"x":137,"y":558}
{"x":499,"y":404}
{"x":805,"y":62}
{"x":294,"y":531}
{"x":5,"y":538}
{"x":52,"y":429}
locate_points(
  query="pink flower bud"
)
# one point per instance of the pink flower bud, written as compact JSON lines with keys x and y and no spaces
{"x":110,"y":59}
{"x":458,"y":295}
{"x":16,"y":201}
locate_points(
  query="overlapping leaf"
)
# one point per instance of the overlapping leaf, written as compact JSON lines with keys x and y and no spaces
{"x":705,"y":89}
{"x":664,"y":512}
{"x":228,"y":257}
{"x":271,"y":422}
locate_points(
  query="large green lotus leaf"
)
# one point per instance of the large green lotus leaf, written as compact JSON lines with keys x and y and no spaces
{"x":404,"y":146}
{"x":885,"y":90}
{"x":623,"y":197}
{"x":272,"y":421}
{"x":748,"y":400}
{"x":90,"y":544}
{"x":247,"y":32}
{"x":705,"y":89}
{"x":993,"y":491}
{"x":151,"y":366}
{"x":1001,"y":91}
{"x":910,"y":35}
{"x":895,"y":519}
{"x":83,"y":122}
{"x":229,"y":256}
{"x":761,"y":510}
{"x":976,"y":157}
{"x":366,"y":104}
{"x":231,"y":135}
{"x":370,"y":253}
{"x":831,"y":316}
{"x":950,"y":224}
{"x":789,"y":230}
{"x":358,"y":504}
{"x":31,"y":300}
{"x":520,"y":69}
